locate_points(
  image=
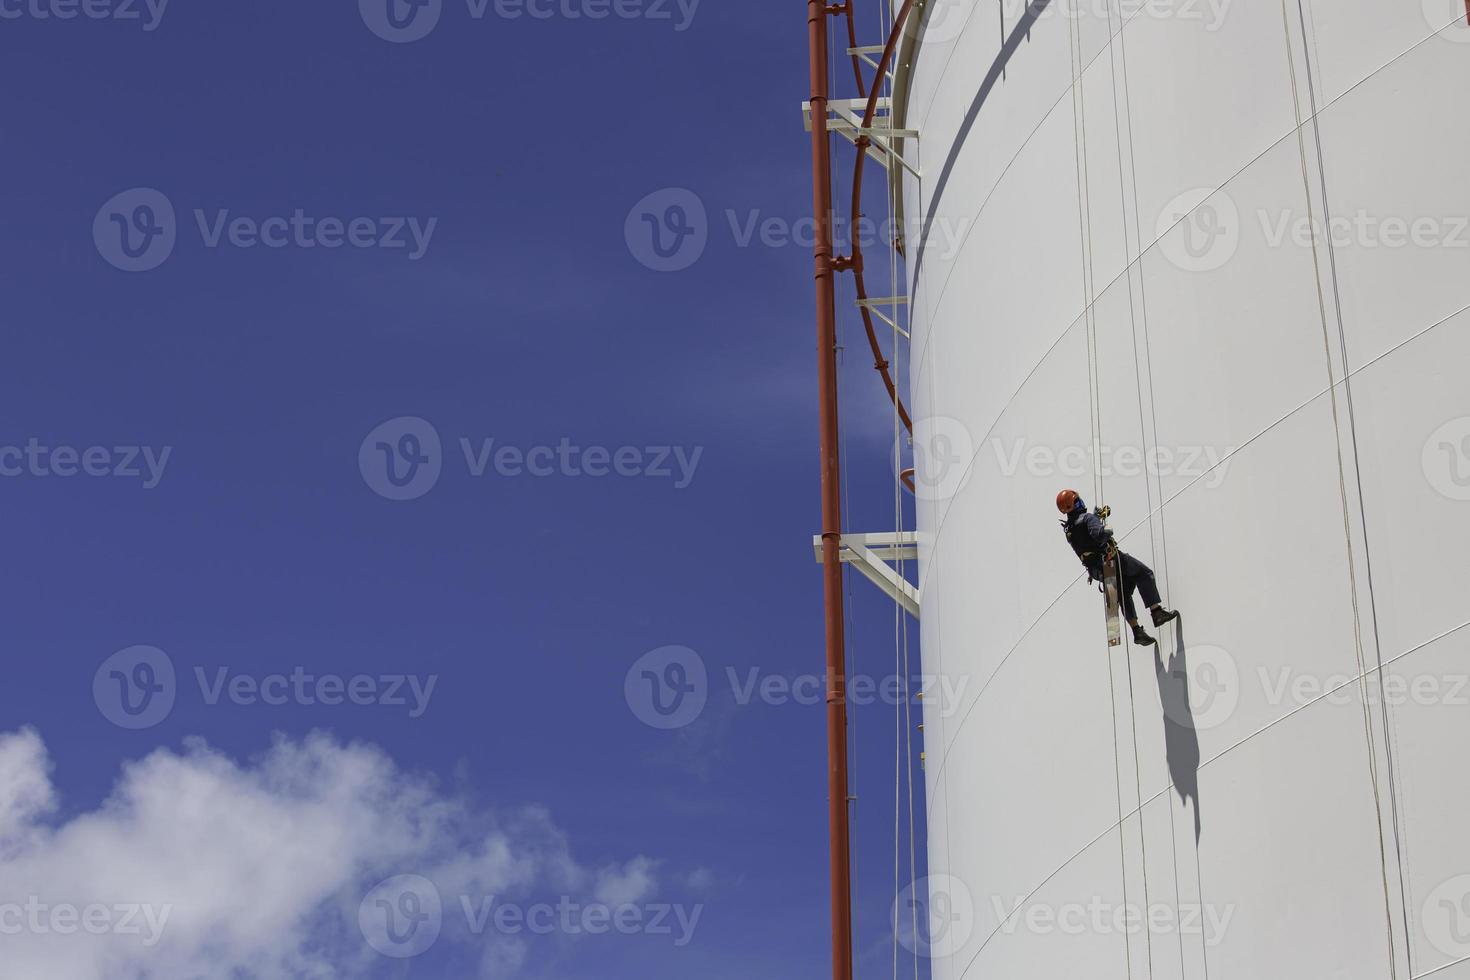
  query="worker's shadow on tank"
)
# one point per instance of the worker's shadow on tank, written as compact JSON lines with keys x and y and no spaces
{"x":1181,"y":742}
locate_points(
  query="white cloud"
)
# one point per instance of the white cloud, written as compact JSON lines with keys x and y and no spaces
{"x":25,"y":787}
{"x":700,"y":880}
{"x":630,"y":884}
{"x":249,"y":870}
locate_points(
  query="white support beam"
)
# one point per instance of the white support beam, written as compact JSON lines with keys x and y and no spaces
{"x":872,"y":555}
{"x":866,"y":53}
{"x":876,"y":304}
{"x":844,"y":117}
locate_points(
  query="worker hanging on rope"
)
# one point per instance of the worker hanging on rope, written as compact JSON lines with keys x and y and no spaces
{"x":1090,"y":538}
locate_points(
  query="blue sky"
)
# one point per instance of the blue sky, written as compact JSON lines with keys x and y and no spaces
{"x":240,"y":382}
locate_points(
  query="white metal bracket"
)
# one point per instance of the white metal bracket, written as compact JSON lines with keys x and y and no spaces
{"x":892,"y":302}
{"x":865,"y":54}
{"x":845,"y":116}
{"x":873,"y":555}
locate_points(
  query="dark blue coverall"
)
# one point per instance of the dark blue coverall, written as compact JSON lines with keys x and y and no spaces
{"x":1090,"y":539}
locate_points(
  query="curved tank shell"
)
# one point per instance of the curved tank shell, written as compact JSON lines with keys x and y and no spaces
{"x":1206,"y":263}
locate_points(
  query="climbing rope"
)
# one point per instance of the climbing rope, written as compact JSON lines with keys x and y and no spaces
{"x":1347,"y":385}
{"x":1094,"y":403}
{"x":1143,"y":435}
{"x":903,"y":730}
{"x":1341,"y":478}
{"x":1159,"y":547}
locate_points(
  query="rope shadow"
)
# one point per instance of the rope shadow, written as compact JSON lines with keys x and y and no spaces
{"x":1181,"y":741}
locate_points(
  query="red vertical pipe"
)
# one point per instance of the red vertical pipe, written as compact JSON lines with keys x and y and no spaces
{"x":837,"y":807}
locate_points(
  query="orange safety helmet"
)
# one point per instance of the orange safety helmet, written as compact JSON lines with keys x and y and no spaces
{"x":1067,"y":500}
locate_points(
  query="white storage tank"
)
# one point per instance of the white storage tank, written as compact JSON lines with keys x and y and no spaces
{"x":1207,"y":262}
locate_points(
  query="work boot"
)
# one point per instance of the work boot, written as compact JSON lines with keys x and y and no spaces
{"x":1162,"y":615}
{"x":1141,"y":638}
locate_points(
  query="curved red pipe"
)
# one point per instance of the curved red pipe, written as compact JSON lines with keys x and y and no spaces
{"x":857,"y":64}
{"x":879,"y":361}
